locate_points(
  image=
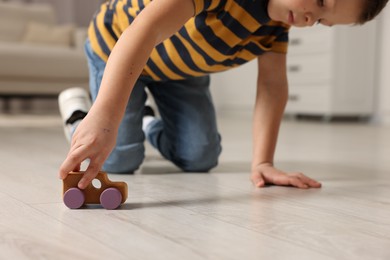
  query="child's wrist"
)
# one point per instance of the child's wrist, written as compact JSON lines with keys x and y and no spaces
{"x":256,"y":165}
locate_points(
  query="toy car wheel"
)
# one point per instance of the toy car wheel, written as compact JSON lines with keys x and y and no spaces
{"x":74,"y":198}
{"x":111,"y":198}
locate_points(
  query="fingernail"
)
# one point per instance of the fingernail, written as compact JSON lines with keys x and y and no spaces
{"x":81,"y":185}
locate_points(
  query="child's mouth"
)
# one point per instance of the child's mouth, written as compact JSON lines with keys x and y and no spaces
{"x":290,"y":17}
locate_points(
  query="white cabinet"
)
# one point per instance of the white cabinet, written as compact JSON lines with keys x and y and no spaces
{"x":331,"y":71}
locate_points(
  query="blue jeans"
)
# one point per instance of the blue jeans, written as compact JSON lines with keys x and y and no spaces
{"x":186,"y":134}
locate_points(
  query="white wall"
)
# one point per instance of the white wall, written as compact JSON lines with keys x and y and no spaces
{"x":84,"y":10}
{"x":383,"y":105}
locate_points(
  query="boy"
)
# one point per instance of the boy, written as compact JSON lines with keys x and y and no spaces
{"x":170,"y":46}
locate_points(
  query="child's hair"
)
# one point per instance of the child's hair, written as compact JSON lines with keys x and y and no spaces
{"x":371,"y":8}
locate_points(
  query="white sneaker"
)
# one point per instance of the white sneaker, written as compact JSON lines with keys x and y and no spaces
{"x":74,"y":104}
{"x":149,"y":110}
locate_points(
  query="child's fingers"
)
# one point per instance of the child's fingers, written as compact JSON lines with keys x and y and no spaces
{"x":77,"y":169}
{"x":92,"y":170}
{"x":297,"y":182}
{"x":309,"y":181}
{"x":258,"y":181}
{"x":314,"y":184}
{"x":71,"y":163}
{"x":89,"y":175}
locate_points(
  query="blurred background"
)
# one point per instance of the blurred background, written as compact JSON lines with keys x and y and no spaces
{"x":334,"y":73}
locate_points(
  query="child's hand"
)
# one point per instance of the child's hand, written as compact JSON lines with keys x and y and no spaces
{"x":93,"y":140}
{"x":267,"y":174}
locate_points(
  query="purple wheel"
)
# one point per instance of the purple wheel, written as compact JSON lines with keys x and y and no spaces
{"x":74,"y":198}
{"x":111,"y":198}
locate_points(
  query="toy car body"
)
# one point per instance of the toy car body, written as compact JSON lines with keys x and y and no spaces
{"x":110,"y":194}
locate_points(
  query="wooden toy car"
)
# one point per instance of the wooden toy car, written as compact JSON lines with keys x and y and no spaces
{"x":110,"y":194}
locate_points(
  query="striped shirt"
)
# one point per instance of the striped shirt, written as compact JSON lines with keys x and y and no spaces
{"x":222,"y":34}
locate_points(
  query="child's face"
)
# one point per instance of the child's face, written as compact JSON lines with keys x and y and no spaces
{"x":303,"y":13}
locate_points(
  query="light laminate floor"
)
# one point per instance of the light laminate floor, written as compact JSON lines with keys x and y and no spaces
{"x":174,"y":215}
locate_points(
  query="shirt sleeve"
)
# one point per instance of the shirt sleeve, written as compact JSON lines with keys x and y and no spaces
{"x":280,"y":44}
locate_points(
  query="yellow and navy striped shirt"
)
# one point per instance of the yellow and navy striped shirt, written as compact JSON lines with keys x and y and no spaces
{"x":222,"y":34}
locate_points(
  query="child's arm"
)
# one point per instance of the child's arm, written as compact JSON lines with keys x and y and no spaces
{"x":271,"y":98}
{"x":96,"y":135}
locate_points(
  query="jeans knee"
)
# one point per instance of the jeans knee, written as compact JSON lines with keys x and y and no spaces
{"x":124,"y":160}
{"x":128,"y":168}
{"x":203,"y":160}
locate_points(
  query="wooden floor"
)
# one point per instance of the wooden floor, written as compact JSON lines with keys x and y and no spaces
{"x":174,"y":215}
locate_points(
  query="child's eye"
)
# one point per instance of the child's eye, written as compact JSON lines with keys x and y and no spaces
{"x":318,"y":21}
{"x":321,"y":3}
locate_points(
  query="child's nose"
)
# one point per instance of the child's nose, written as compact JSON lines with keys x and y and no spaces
{"x":309,"y":19}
